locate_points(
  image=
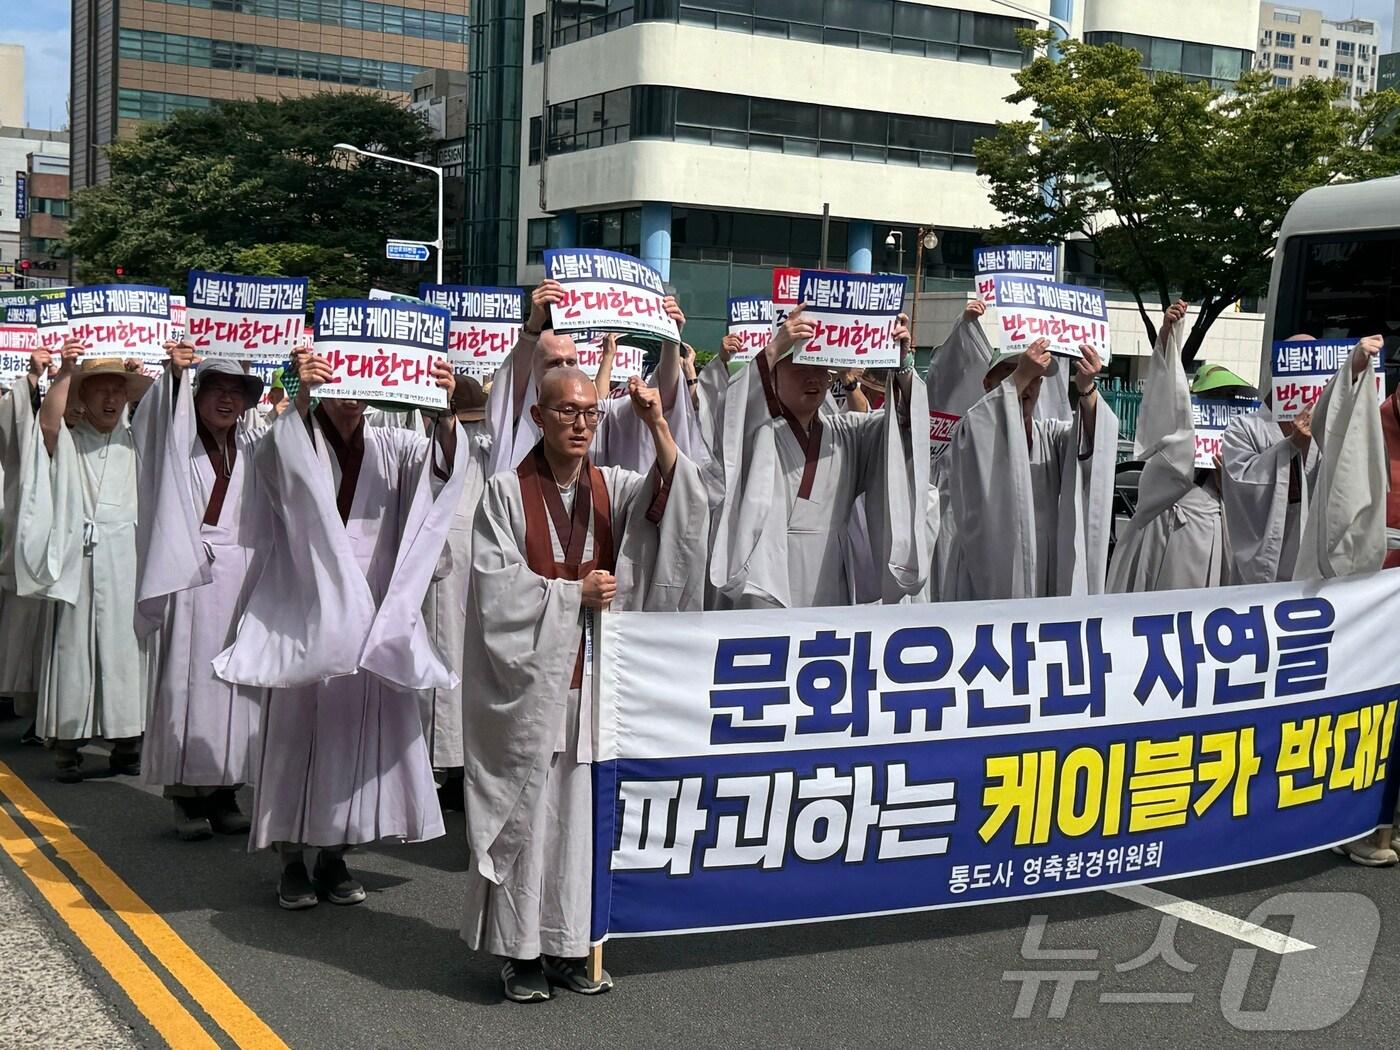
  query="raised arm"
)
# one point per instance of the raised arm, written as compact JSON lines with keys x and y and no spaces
{"x":668,"y":368}
{"x":546,"y":293}
{"x":647,"y":404}
{"x":55,"y":405}
{"x":792,"y":331}
{"x":1086,"y":371}
{"x":602,"y":382}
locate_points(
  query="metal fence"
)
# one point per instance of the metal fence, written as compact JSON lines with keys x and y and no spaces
{"x":1125,"y":398}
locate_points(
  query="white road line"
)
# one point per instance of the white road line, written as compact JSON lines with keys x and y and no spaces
{"x":1269,"y":940}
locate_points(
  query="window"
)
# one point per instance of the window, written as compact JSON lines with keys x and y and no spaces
{"x":155,"y":105}
{"x":1220,"y":66}
{"x":1267,"y":37}
{"x":352,"y":14}
{"x":1283,"y":61}
{"x":539,"y":235}
{"x":1287,"y":16}
{"x":618,"y":231}
{"x":536,"y":137}
{"x":904,"y":28}
{"x":1322,"y":63}
{"x":1283,"y":81}
{"x":1304,"y":60}
{"x":1324,"y":42}
{"x":1307,"y":39}
{"x":1345,"y":49}
{"x":58,"y":208}
{"x":537,"y":40}
{"x":1343,"y":71}
{"x":799,"y":128}
{"x":1285,"y":40}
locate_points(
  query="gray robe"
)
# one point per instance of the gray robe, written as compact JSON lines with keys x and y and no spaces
{"x":191,"y":582}
{"x":445,"y":609}
{"x":529,"y":734}
{"x":1028,"y":522}
{"x":779,"y":545}
{"x":1176,"y":538}
{"x":75,"y":545}
{"x":1263,"y":526}
{"x":334,"y":629}
{"x":20,"y":618}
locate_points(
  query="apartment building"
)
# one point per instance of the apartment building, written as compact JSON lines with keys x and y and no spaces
{"x":1298,"y":43}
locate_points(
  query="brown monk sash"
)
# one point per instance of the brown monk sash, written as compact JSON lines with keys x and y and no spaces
{"x":350,"y":455}
{"x":223,"y":469}
{"x":540,"y":494}
{"x":809,"y":441}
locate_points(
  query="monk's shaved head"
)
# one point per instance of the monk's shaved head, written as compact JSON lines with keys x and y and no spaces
{"x":551,"y":352}
{"x":566,"y":384}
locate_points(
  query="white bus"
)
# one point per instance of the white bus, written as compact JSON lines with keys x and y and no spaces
{"x":1337,"y":267}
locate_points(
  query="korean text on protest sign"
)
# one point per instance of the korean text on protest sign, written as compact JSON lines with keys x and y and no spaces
{"x":1029,"y":309}
{"x":1211,"y":416}
{"x":486,"y":324}
{"x":853,"y":316}
{"x":382,"y":350}
{"x":627,"y":360}
{"x":246,"y":318}
{"x":609,"y":292}
{"x":1302,"y":370}
{"x":179,"y":318}
{"x":120,"y":320}
{"x":1029,"y":260}
{"x":903,"y":760}
{"x":18,"y":342}
{"x":786,"y":280}
{"x":751,"y":320}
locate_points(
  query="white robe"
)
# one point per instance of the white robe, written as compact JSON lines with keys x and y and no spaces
{"x":75,"y":545}
{"x":1263,"y":528}
{"x":445,"y":609}
{"x":1176,"y":538}
{"x":20,"y":618}
{"x":529,"y":732}
{"x":1028,"y":522}
{"x":192,"y":578}
{"x":334,"y":628}
{"x":774,"y":546}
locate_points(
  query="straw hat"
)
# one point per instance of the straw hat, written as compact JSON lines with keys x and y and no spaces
{"x":136,"y":383}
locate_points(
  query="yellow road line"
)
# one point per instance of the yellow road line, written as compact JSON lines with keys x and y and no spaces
{"x":175,"y":1024}
{"x":215,"y":997}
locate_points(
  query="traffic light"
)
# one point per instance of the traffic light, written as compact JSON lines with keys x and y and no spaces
{"x":121,"y":271}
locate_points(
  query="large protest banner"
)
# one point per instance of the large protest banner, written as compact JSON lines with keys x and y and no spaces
{"x":853,"y":316}
{"x":1302,"y":369}
{"x":751,"y":320}
{"x":382,"y":350}
{"x":120,"y":320}
{"x":608,"y":292}
{"x":486,"y":324}
{"x":1030,"y":260}
{"x":783,"y":766}
{"x":1211,"y":416}
{"x":246,"y":318}
{"x":1029,"y":308}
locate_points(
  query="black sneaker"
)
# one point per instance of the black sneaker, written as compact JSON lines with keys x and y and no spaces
{"x":523,"y":981}
{"x":70,"y":768}
{"x":125,"y":765}
{"x":573,"y":975}
{"x":190,"y":823}
{"x":333,"y":879}
{"x":294,"y":889}
{"x":224,"y":815}
{"x":29,"y":738}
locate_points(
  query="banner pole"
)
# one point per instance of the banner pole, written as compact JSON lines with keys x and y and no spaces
{"x":595,"y":963}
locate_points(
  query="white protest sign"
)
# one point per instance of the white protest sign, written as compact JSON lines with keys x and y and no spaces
{"x":751,"y":320}
{"x":853,"y":316}
{"x":609,"y":292}
{"x":940,"y":431}
{"x":120,"y":320}
{"x":1211,"y":416}
{"x":246,"y":318}
{"x":486,"y":324}
{"x":17,"y":345}
{"x":1301,"y":369}
{"x":179,"y":318}
{"x":382,"y":350}
{"x":1031,"y":260}
{"x":52,"y":318}
{"x":1029,"y":309}
{"x":627,"y":360}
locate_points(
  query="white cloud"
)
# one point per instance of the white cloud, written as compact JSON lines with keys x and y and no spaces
{"x":46,"y":57}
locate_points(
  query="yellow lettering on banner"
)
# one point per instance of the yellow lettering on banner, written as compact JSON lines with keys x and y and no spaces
{"x":1347,"y":751}
{"x":1012,"y":794}
{"x":1159,"y":791}
{"x":1235,"y":763}
{"x":1072,"y":820}
{"x":1080,"y":794}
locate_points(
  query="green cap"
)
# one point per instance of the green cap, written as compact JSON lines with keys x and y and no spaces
{"x":1219,"y":380}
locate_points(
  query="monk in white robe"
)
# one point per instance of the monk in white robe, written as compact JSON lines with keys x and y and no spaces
{"x":1176,"y":538}
{"x":557,"y":540}
{"x":20,"y":618}
{"x":953,"y":384}
{"x":334,"y":630}
{"x":792,"y":474}
{"x":514,"y":433}
{"x":1031,"y":498}
{"x":76,"y":547}
{"x":201,"y":517}
{"x":445,"y":606}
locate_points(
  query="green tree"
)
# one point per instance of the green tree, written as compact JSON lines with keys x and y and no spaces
{"x":260,"y":182}
{"x":1178,"y":188}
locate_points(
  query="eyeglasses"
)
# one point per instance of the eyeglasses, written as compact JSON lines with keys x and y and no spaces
{"x":569,"y":413}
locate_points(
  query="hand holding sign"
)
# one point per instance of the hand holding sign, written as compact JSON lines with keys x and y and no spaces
{"x":1302,"y":429}
{"x":182,"y":356}
{"x":546,"y":294}
{"x":902,"y":337}
{"x":1033,"y":365}
{"x":728,"y":347}
{"x":974,"y":309}
{"x":795,"y":329}
{"x":1362,"y":357}
{"x":673,"y":311}
{"x":72,"y":353}
{"x":444,"y":377}
{"x":1174,"y":315}
{"x":1086,"y":369}
{"x":39,"y":362}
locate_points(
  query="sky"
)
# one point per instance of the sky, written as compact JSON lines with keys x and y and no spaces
{"x":42,"y":27}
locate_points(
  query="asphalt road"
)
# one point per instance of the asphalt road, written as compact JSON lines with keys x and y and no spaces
{"x":393,"y":973}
